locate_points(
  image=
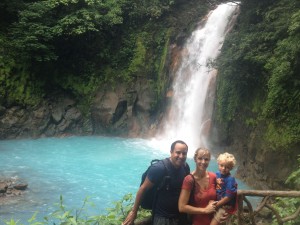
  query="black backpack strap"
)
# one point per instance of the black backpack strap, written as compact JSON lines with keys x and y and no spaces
{"x":165,"y":182}
{"x":161,"y":182}
{"x":166,"y":163}
{"x":154,"y":161}
{"x":191,"y":200}
{"x":193,"y":189}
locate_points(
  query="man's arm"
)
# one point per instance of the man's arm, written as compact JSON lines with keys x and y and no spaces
{"x":139,"y":196}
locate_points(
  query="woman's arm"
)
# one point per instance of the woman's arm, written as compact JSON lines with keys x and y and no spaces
{"x":184,"y":206}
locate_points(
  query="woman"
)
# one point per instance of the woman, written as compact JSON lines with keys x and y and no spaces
{"x":198,"y":192}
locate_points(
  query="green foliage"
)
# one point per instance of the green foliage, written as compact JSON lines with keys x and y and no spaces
{"x":16,"y":84}
{"x":64,"y":216}
{"x":145,"y":50}
{"x":286,"y":207}
{"x":150,"y":9}
{"x":283,"y":135}
{"x":32,"y":33}
{"x":79,"y":45}
{"x":267,"y":73}
{"x":294,"y":178}
{"x":161,"y":81}
{"x":289,"y":207}
{"x":42,"y":23}
{"x":282,"y":105}
{"x":134,"y":52}
{"x":138,"y":62}
{"x":80,"y":85}
{"x":251,"y":122}
{"x":117,"y":215}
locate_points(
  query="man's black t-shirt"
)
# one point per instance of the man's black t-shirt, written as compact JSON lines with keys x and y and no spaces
{"x":167,"y":200}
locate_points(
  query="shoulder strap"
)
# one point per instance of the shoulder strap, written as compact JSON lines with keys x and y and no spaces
{"x":154,"y":161}
{"x":161,"y":183}
{"x":165,"y":181}
{"x":193,"y":189}
{"x":166,"y":163}
{"x":193,"y":180}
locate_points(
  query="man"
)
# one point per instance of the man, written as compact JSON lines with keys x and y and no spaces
{"x":165,"y":210}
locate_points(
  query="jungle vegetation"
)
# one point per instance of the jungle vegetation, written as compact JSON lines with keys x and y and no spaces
{"x":259,"y":70}
{"x":76,"y":46}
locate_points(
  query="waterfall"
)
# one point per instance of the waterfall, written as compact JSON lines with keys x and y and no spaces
{"x":193,"y":90}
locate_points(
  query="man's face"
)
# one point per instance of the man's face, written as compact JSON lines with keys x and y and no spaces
{"x":178,"y":155}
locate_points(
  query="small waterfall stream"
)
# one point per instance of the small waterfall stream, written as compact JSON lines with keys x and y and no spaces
{"x":189,"y":117}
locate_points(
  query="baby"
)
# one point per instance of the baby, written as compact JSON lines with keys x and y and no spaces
{"x":226,"y":187}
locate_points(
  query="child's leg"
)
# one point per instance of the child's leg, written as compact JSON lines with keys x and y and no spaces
{"x":217,"y":217}
{"x":214,"y":222}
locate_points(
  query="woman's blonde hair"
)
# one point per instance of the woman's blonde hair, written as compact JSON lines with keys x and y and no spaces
{"x":227,"y":158}
{"x":202,"y":151}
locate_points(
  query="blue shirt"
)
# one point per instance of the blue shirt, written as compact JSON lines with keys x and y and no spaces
{"x":226,"y":187}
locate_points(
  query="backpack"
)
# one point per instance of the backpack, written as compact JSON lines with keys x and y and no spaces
{"x":149,"y":198}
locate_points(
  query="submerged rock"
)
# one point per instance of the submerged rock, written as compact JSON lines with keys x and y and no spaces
{"x":11,"y":187}
{"x":21,"y":186}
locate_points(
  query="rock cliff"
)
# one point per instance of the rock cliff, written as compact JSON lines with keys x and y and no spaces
{"x":124,"y":111}
{"x":259,"y":165}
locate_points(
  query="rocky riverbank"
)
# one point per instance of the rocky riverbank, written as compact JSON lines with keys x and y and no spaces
{"x":11,"y":188}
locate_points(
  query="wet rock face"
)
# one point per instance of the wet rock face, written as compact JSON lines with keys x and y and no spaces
{"x":123,"y":111}
{"x":53,"y":117}
{"x":10,"y":188}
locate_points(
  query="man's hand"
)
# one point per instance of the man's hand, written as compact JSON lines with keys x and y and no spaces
{"x":130,"y":218}
{"x":139,"y":196}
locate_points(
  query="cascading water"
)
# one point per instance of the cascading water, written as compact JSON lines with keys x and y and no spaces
{"x":189,"y":117}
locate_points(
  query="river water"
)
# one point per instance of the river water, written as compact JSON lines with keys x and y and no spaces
{"x":102,"y":168}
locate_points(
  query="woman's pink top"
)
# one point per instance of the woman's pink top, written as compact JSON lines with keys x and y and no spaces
{"x":201,"y":197}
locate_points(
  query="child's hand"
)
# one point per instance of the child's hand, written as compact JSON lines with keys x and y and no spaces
{"x":212,"y":201}
{"x":211,"y":207}
{"x":224,"y":217}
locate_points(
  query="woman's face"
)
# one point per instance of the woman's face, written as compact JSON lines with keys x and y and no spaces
{"x":202,"y":160}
